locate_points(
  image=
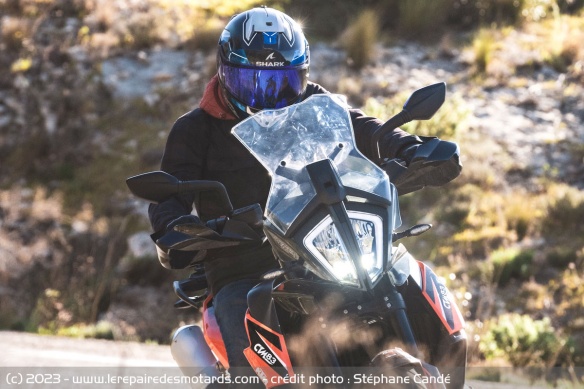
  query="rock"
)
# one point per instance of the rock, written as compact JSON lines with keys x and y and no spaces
{"x":131,"y":77}
{"x":140,"y":245}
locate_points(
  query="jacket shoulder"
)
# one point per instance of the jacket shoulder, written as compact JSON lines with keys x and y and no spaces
{"x":197,"y":115}
{"x":196,"y":121}
{"x":313,"y":88}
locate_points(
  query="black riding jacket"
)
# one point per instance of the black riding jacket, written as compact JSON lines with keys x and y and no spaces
{"x":201,"y":147}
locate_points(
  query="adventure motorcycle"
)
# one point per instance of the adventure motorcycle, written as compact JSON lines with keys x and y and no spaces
{"x":345,"y":298}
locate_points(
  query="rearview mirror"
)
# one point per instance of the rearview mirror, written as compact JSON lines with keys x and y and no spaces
{"x":158,"y":186}
{"x":425,"y":102}
{"x":153,"y":186}
{"x":421,"y":105}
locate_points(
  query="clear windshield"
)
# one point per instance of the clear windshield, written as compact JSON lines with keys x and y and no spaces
{"x":286,"y":140}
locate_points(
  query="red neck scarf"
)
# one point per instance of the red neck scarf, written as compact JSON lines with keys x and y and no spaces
{"x":213,"y":101}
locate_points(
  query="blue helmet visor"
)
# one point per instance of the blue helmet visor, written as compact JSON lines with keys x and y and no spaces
{"x":264,"y":87}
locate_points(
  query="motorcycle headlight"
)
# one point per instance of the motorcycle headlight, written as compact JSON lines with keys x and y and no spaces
{"x":326,"y":244}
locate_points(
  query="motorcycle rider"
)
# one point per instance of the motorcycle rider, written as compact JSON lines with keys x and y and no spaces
{"x":262,"y":63}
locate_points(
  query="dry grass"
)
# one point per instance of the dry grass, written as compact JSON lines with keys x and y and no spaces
{"x":483,"y":46}
{"x":360,"y":38}
{"x":422,"y":19}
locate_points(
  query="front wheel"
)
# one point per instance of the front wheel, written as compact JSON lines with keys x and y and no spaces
{"x":407,"y":371}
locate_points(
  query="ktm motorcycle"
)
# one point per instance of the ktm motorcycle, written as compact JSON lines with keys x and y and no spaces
{"x":346,"y":298}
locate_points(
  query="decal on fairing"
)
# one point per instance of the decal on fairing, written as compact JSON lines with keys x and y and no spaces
{"x":440,"y":300}
{"x":267,"y":354}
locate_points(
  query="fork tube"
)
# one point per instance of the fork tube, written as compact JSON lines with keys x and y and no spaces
{"x":398,"y":317}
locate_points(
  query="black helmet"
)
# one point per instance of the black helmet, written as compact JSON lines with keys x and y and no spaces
{"x":262,"y":61}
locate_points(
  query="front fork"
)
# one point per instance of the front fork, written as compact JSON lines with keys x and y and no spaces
{"x":396,"y":313}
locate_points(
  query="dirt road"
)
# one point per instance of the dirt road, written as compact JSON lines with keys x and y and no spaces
{"x":42,"y":362}
{"x":30,"y":350}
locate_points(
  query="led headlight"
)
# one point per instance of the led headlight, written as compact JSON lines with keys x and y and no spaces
{"x":326,"y":244}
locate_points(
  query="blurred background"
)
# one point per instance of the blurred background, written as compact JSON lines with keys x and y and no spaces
{"x":90,"y":88}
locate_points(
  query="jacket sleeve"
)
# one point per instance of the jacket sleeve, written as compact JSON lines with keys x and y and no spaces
{"x":183,"y":158}
{"x":390,"y":145}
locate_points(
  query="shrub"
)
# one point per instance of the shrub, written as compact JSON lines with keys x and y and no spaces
{"x":522,"y":341}
{"x":14,"y":31}
{"x":422,"y":19}
{"x":536,"y":10}
{"x":564,"y":214}
{"x":523,"y":213}
{"x":483,"y":46}
{"x":360,"y":37}
{"x":101,"y":330}
{"x":485,"y":228}
{"x":206,"y":36}
{"x":511,"y":263}
{"x":470,"y":13}
{"x":561,"y":257}
{"x":569,"y":295}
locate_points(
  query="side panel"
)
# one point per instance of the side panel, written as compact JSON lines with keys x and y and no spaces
{"x":267,"y":353}
{"x":436,"y":322}
{"x":441,"y":301}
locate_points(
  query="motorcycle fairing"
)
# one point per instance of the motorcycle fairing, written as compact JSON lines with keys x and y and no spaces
{"x":267,"y":353}
{"x":440,"y":299}
{"x":405,"y":266}
{"x":212,"y":333}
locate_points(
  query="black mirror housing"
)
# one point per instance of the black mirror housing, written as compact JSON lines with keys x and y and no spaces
{"x":154,"y":186}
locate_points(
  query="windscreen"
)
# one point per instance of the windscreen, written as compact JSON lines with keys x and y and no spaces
{"x":286,"y":140}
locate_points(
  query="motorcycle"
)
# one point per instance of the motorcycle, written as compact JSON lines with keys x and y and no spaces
{"x":346,"y":298}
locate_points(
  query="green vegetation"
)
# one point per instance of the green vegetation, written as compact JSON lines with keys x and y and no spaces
{"x":422,"y":19}
{"x":507,"y":247}
{"x":360,"y":38}
{"x":483,"y":46}
{"x":524,"y":341}
{"x":511,"y":263}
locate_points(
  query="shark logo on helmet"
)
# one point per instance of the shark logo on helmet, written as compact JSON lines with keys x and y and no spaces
{"x":270,"y":62}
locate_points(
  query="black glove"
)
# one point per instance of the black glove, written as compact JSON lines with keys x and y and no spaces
{"x":407,"y":153}
{"x":185,"y":219}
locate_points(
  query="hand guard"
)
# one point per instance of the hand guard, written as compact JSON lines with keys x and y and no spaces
{"x":185,"y":219}
{"x":433,"y":163}
{"x":177,"y":259}
{"x":408,"y":153}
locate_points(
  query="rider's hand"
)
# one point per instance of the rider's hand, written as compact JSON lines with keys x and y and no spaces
{"x":185,"y":219}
